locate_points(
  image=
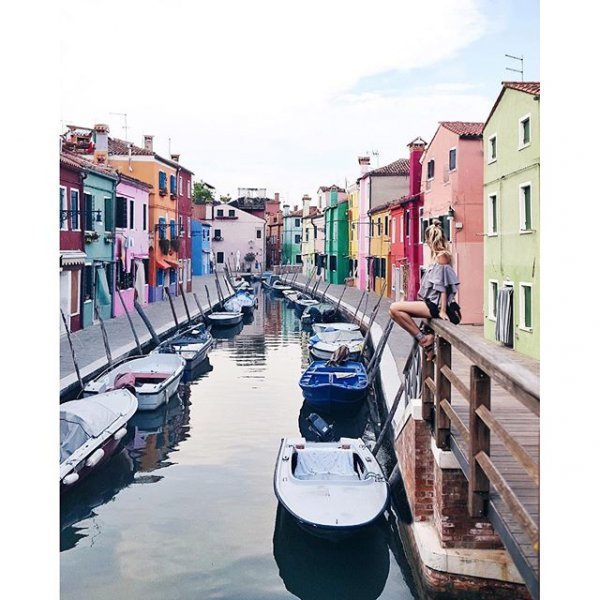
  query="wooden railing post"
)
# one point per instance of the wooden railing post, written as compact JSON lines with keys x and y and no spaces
{"x":443,"y":391}
{"x":479,"y":441}
{"x":428,"y":372}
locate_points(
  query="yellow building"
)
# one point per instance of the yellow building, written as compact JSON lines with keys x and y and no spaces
{"x":353,"y":215}
{"x":378,"y":261}
{"x":161,"y":173}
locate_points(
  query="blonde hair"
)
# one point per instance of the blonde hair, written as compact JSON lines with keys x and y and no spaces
{"x":436,"y":239}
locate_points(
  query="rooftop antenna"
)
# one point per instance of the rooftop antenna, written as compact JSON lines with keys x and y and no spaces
{"x":124,"y":115}
{"x":169,"y":146}
{"x":374,"y":153}
{"x":515,"y":70}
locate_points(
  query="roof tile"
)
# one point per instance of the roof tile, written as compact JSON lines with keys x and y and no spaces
{"x":530,"y":87}
{"x":464,"y":128}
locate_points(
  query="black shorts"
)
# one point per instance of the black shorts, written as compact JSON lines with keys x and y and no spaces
{"x":434,"y":309}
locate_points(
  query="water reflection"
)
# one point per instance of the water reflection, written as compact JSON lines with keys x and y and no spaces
{"x":194,"y":375}
{"x":226,"y":333}
{"x":352,"y":426}
{"x":91,"y":493}
{"x":315,"y":569}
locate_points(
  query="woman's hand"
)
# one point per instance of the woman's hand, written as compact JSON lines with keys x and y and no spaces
{"x":443,"y":315}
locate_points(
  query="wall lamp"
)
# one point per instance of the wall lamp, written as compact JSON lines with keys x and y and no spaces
{"x":450,"y":212}
{"x":64,"y":214}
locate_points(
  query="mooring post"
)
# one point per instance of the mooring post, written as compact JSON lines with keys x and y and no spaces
{"x":72,"y":350}
{"x":144,"y":318}
{"x":168,"y":292}
{"x":337,"y":307}
{"x":389,"y":419}
{"x":210,"y":306}
{"x":376,"y":358}
{"x":199,"y":305}
{"x":358,"y":306}
{"x":185,"y":304}
{"x":325,"y":291}
{"x":137,"y":341}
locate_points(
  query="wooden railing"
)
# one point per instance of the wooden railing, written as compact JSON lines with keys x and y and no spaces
{"x":438,"y":382}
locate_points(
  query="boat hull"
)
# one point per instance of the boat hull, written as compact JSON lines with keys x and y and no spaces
{"x":222,"y":320}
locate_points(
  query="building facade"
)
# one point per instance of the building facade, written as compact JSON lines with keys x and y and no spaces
{"x":274,"y":232}
{"x":336,"y":235}
{"x":291,"y":249}
{"x":379,"y":255}
{"x":511,"y":199}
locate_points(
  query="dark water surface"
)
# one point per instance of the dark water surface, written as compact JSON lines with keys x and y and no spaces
{"x":187,"y":508}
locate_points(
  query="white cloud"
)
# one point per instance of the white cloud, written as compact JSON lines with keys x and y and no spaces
{"x":256,"y":93}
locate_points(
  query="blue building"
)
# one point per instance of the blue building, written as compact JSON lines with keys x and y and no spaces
{"x":201,"y":248}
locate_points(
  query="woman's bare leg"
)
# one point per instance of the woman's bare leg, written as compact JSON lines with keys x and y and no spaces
{"x":402,"y":313}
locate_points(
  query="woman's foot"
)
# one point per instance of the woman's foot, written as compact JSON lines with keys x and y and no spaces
{"x":427,"y":342}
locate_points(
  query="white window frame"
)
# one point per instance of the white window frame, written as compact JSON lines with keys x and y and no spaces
{"x":490,"y":158}
{"x":393,"y":220}
{"x":492,"y":314}
{"x":522,"y":286}
{"x":189,"y":188}
{"x":522,"y":223}
{"x":455,"y":159}
{"x":490,"y":231}
{"x":189,"y":227}
{"x":521,"y":143}
{"x":180,"y":185}
{"x":64,"y":209}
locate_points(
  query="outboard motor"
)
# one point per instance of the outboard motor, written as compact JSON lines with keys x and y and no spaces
{"x":321,"y":428}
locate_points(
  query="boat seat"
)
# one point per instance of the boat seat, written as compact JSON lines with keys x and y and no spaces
{"x":322,"y":465}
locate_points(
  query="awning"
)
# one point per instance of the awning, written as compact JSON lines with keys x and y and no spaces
{"x":162,"y":265}
{"x":172,"y":263}
{"x":72,"y":257}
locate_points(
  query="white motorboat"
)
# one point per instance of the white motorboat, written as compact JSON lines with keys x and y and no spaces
{"x":324,"y":350}
{"x":330,"y":488}
{"x":90,"y":432}
{"x":337,"y":335}
{"x":318,"y":327}
{"x":225,"y":318}
{"x":191,"y":344}
{"x":154,"y":378}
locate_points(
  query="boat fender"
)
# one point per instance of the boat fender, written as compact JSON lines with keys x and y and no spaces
{"x":95,"y":458}
{"x":71,"y":478}
{"x":120,"y":434}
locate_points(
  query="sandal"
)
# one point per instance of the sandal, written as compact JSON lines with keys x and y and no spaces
{"x":429,"y":350}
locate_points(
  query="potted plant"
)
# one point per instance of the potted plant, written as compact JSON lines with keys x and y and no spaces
{"x":164,"y":245}
{"x":175,"y":244}
{"x":91,"y":236}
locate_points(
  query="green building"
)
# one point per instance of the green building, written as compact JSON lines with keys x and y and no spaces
{"x":291,"y":246}
{"x":336,"y":235}
{"x":511,"y":177}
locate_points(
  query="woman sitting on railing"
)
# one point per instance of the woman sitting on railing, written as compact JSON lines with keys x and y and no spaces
{"x":436,"y":294}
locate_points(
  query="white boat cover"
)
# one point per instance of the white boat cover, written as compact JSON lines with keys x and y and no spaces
{"x":233,"y":305}
{"x":317,"y":464}
{"x":81,"y":420}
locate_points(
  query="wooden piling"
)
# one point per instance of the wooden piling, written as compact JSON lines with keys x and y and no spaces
{"x":144,"y":318}
{"x":199,"y":305}
{"x":168,"y":292}
{"x":104,"y":335}
{"x":185,"y":304}
{"x":210,"y":306}
{"x":72,"y":349}
{"x":137,"y":341}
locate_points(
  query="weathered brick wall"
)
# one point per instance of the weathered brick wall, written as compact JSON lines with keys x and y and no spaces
{"x":451,"y":517}
{"x":413,"y":448}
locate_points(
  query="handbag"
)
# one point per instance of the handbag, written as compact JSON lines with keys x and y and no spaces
{"x":453,"y":312}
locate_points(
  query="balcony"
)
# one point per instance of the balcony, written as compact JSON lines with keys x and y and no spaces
{"x":225,"y":217}
{"x":217,"y":238}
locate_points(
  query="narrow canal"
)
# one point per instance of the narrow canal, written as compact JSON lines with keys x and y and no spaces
{"x":187,"y":508}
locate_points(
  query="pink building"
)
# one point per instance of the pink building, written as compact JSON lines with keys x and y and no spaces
{"x":131,"y":242}
{"x":452,"y":187}
{"x":376,"y":188}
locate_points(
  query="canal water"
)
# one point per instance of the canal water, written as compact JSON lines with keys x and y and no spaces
{"x":187,"y":510}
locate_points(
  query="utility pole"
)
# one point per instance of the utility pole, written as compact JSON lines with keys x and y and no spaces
{"x":124,"y":115}
{"x":515,"y":70}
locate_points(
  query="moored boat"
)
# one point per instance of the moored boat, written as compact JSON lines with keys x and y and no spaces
{"x":324,"y":350}
{"x":246,"y":300}
{"x":225,"y":318}
{"x":154,"y":378}
{"x":91,"y":430}
{"x":332,"y":489}
{"x":334,"y":388}
{"x":340,"y":326}
{"x":192,"y":345}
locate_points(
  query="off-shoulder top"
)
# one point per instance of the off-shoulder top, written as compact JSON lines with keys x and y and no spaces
{"x":437,"y":279}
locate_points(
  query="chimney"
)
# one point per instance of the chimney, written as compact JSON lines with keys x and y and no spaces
{"x":305,"y":205}
{"x":175,"y":157}
{"x":295,"y":207}
{"x":364,"y":162}
{"x":148,"y":142}
{"x":101,"y":145}
{"x":286,"y":210}
{"x":415,"y":168}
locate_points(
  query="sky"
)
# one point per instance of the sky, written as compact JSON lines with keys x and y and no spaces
{"x":285,"y":96}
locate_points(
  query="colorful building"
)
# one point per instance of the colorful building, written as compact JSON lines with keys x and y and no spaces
{"x":452,"y":184}
{"x":511,"y":218}
{"x":375,"y":188}
{"x":184,"y":224}
{"x":274,"y":232}
{"x":291,"y":249}
{"x":379,"y":255}
{"x":309,"y":235}
{"x":336,"y":235}
{"x":72,"y":252}
{"x":131,"y":248}
{"x":201,"y":247}
{"x":353,"y":214}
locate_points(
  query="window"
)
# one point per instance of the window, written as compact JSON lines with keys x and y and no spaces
{"x":430,"y":169}
{"x":181,"y":185}
{"x":492,"y":148}
{"x":121,"y":212}
{"x":189,"y":189}
{"x":386,"y":226}
{"x":452,"y":159}
{"x":298,"y":259}
{"x":407,"y":224}
{"x":108,"y":213}
{"x":173,"y":184}
{"x":220,"y":257}
{"x":219,"y":212}
{"x":525,"y":318}
{"x":382,"y":272}
{"x":63,"y":207}
{"x":525,"y":206}
{"x":379,"y":226}
{"x":524,"y":131}
{"x":306,"y":235}
{"x":492,"y":214}
{"x":217,"y":233}
{"x":333,"y":263}
{"x":296,"y":222}
{"x":335,"y":231}
{"x":297,"y":239}
{"x":492,"y":300}
{"x":88,"y":282}
{"x":371,"y":227}
{"x":393,"y":230}
{"x":162,"y":228}
{"x":232,"y":213}
{"x":162,"y":181}
{"x":131,"y":213}
{"x":74,"y":209}
{"x":145,"y":216}
{"x":88,"y":215}
{"x":181,"y":231}
{"x":258,"y":234}
{"x":189,"y":227}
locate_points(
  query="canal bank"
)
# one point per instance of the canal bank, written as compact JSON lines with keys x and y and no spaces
{"x":454,"y":554}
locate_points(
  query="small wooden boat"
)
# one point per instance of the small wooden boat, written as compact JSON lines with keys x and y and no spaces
{"x":323,"y":312}
{"x":324,"y":350}
{"x":318,"y":327}
{"x":246,"y":300}
{"x":337,"y":335}
{"x":154,"y":378}
{"x":334,"y":388}
{"x":193,"y":345}
{"x":225,"y":318}
{"x":332,"y":489}
{"x":279,"y":287}
{"x":90,"y":431}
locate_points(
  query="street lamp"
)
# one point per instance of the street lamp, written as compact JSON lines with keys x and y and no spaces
{"x":64,"y":213}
